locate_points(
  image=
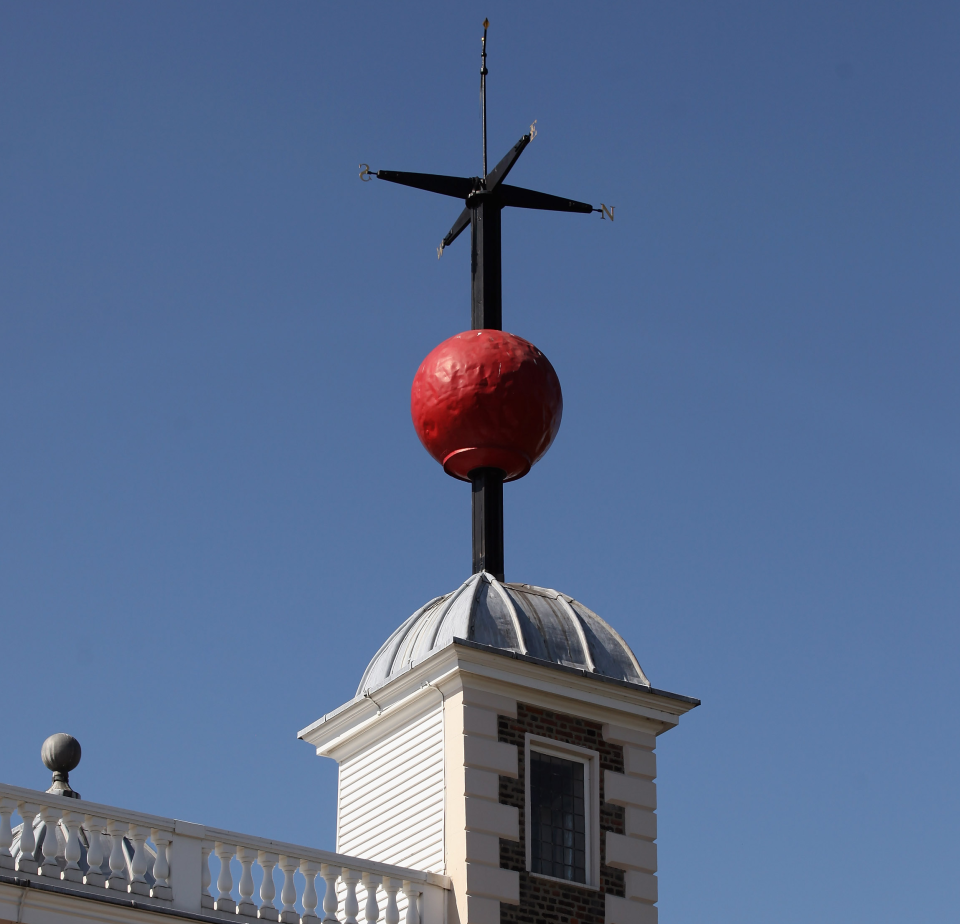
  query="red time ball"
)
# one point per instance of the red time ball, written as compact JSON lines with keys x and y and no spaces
{"x":486,"y":399}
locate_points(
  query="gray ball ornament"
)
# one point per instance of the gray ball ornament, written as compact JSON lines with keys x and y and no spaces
{"x":61,"y":754}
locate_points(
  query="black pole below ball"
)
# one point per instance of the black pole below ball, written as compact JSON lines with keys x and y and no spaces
{"x":487,"y":502}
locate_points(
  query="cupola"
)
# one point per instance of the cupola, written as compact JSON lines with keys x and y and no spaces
{"x":505,"y":735}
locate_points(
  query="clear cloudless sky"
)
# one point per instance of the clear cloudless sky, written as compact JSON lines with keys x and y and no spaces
{"x":214,"y":507}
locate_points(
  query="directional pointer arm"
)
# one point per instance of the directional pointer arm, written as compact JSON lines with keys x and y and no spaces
{"x":530,"y":199}
{"x":499,"y":173}
{"x":461,"y":224}
{"x":457,"y":186}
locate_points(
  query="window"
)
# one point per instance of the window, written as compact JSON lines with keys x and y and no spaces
{"x":558,"y":832}
{"x":562,"y":799}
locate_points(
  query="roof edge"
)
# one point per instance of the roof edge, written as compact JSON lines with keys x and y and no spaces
{"x":641,"y":687}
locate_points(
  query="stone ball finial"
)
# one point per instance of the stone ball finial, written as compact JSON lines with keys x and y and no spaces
{"x":61,"y":754}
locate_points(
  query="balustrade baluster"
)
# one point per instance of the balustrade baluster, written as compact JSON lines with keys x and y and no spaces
{"x":72,"y":849}
{"x":26,"y":858}
{"x":371,"y":909}
{"x":268,"y":890}
{"x":7,"y":808}
{"x":350,"y":905}
{"x":139,"y":864}
{"x":93,"y":827}
{"x":331,"y":900}
{"x":118,"y":862}
{"x":288,"y":894}
{"x":412,"y":893}
{"x":246,"y":907}
{"x":224,"y":900}
{"x":206,"y":899}
{"x":309,"y":870}
{"x":392,"y":912}
{"x":161,"y":866}
{"x":51,"y":845}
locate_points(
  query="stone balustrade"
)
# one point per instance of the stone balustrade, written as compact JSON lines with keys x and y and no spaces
{"x":99,"y":850}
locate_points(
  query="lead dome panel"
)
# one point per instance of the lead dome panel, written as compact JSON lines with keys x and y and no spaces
{"x":528,"y":620}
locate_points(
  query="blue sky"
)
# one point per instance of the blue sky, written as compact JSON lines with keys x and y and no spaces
{"x":214,"y":507}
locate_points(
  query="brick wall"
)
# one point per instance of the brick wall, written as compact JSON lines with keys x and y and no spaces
{"x":545,"y":901}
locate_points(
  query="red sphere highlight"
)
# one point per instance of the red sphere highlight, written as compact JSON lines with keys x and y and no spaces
{"x":486,"y":399}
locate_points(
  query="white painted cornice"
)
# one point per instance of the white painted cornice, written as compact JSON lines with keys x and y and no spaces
{"x":525,"y":679}
{"x":380,"y":707}
{"x":569,"y":690}
{"x":37,"y":906}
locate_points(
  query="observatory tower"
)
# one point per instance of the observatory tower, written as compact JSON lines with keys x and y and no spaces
{"x":504,"y":735}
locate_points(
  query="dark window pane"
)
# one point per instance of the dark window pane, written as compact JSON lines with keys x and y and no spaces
{"x":557,"y":817}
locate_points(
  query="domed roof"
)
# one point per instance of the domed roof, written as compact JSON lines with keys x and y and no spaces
{"x":521,"y":618}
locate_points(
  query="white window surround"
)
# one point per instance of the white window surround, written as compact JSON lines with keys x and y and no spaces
{"x":591,"y":786}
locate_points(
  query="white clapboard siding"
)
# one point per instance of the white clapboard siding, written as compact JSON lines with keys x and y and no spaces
{"x":390,"y":805}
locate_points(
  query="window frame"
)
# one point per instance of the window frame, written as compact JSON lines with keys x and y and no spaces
{"x":591,"y":803}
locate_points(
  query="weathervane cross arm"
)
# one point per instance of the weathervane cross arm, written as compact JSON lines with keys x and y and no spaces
{"x":521,"y":198}
{"x":499,"y":173}
{"x":459,"y":187}
{"x":460,"y":225}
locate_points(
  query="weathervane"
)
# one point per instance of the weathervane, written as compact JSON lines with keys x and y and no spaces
{"x":486,"y":404}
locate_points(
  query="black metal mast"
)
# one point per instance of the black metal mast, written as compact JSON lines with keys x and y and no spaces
{"x":484,"y":199}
